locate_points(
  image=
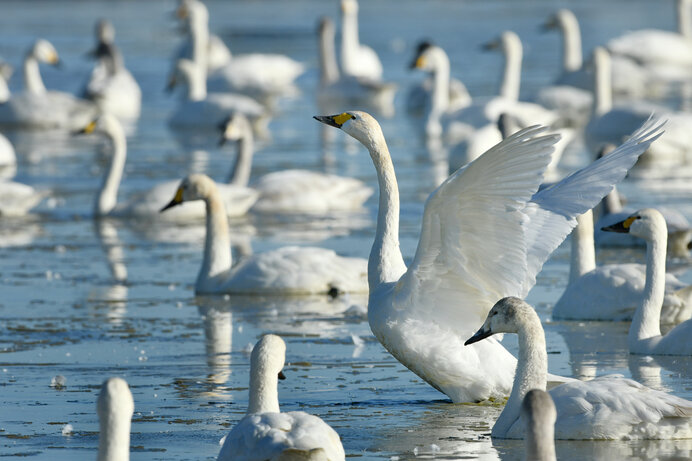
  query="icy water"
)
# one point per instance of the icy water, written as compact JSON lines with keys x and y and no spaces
{"x":65,"y":310}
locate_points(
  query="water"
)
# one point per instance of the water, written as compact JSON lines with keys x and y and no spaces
{"x":63,"y":312}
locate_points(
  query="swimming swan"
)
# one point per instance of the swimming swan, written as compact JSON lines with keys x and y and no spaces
{"x":538,"y":410}
{"x":486,"y":232}
{"x":356,"y":59}
{"x":284,"y":271}
{"x":16,"y":199}
{"x":195,"y":16}
{"x":115,"y":407}
{"x":291,"y":191}
{"x":237,"y":199}
{"x":265,"y":433}
{"x":612,"y":291}
{"x":645,"y":332}
{"x":36,"y":107}
{"x":605,"y":408}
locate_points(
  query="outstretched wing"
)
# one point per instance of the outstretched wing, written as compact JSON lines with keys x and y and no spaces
{"x":472,"y":248}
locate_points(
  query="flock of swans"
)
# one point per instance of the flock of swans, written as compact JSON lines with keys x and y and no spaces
{"x":487,"y":229}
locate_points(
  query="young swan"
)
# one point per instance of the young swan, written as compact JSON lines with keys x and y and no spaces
{"x":538,"y":410}
{"x":115,"y":407}
{"x":645,"y":332}
{"x":605,"y":408}
{"x":265,"y":433}
{"x":284,"y":271}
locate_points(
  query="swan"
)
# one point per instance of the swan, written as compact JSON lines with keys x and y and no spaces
{"x":440,"y":92}
{"x":265,"y":433}
{"x":605,"y":408}
{"x":206,"y":110}
{"x":37,"y":107}
{"x":479,"y":227}
{"x":237,"y":199}
{"x":356,"y":59}
{"x":284,"y":271}
{"x":610,"y":124}
{"x":216,"y":54}
{"x":540,"y":414}
{"x":16,"y":199}
{"x":6,"y":71}
{"x":291,"y":191}
{"x":111,"y":86}
{"x":612,"y":291}
{"x":115,"y":407}
{"x":8,"y":158}
{"x":645,"y":332}
{"x":344,"y":89}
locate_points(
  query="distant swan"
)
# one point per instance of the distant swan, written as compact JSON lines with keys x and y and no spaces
{"x":267,"y":434}
{"x":16,"y":199}
{"x":284,"y":271}
{"x":486,"y":232}
{"x":196,"y":19}
{"x":356,"y":59}
{"x":604,"y":408}
{"x":115,"y":407}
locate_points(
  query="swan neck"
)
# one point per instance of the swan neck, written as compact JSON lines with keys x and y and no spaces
{"x":540,"y":443}
{"x":350,"y":43}
{"x":108,"y":194}
{"x":217,"y":245}
{"x":684,"y":18}
{"x":264,"y":392}
{"x":571,"y":44}
{"x":440,"y":95}
{"x":199,"y":36}
{"x":612,"y":203}
{"x":329,"y":69}
{"x":646,"y":322}
{"x":603,"y":86}
{"x":240,"y":176}
{"x":511,"y":79}
{"x":196,"y":84}
{"x":4,"y":91}
{"x":33,"y":83}
{"x":114,"y":438}
{"x":583,"y":257}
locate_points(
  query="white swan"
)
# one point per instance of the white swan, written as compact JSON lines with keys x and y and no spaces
{"x":206,"y":110}
{"x":348,"y":89}
{"x":356,"y":59}
{"x":612,"y":291}
{"x":605,"y":408}
{"x":111,"y":86}
{"x":265,"y":433}
{"x":611,"y":124}
{"x":115,"y":407}
{"x":215,"y":54}
{"x":237,"y":199}
{"x":16,"y":199}
{"x":538,"y":410}
{"x":645,"y":332}
{"x":8,"y":158}
{"x":486,"y":233}
{"x":287,"y":270}
{"x":292,"y":191}
{"x":6,"y":71}
{"x":36,"y":107}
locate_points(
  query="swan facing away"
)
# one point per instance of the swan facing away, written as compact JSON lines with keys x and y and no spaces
{"x":486,"y":233}
{"x":115,"y":407}
{"x":538,"y":410}
{"x":284,"y":271}
{"x":605,"y":408}
{"x":265,"y":433}
{"x":291,"y":191}
{"x":356,"y":59}
{"x":195,"y":17}
{"x":645,"y":332}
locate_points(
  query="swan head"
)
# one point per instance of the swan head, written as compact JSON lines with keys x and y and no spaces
{"x":268,"y":357}
{"x":647,"y":223}
{"x":44,"y":51}
{"x":560,"y":19}
{"x":349,"y":6}
{"x":193,"y":187}
{"x":6,"y":71}
{"x":600,"y":59}
{"x":235,"y":128}
{"x":115,"y":402}
{"x":105,"y":32}
{"x":508,"y":42}
{"x":428,"y":57}
{"x":506,"y":316}
{"x":105,"y":124}
{"x":325,"y":26}
{"x":360,"y":125}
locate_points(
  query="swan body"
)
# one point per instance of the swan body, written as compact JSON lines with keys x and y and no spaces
{"x":356,"y":59}
{"x":612,"y":291}
{"x":16,"y":199}
{"x":605,"y":408}
{"x":645,"y":332}
{"x":111,"y":86}
{"x":115,"y":407}
{"x":538,"y":410}
{"x":476,"y":223}
{"x":7,"y":154}
{"x":285,"y":271}
{"x":265,"y":433}
{"x":36,"y":107}
{"x":292,"y":191}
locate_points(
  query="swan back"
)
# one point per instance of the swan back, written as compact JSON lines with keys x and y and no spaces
{"x":115,"y":407}
{"x":539,"y":414}
{"x":266,"y":362}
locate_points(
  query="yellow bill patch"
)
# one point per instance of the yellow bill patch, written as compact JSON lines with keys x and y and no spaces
{"x":420,"y":62}
{"x":628,"y":222}
{"x":178,"y":195}
{"x":343,"y":118}
{"x":90,"y":127}
{"x":53,"y":58}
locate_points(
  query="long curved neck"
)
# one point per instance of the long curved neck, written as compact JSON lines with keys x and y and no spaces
{"x":385,"y":263}
{"x":240,"y":175}
{"x":440,"y":93}
{"x":511,"y":79}
{"x":612,"y":203}
{"x":571,"y":44}
{"x":196,"y":84}
{"x":684,"y":17}
{"x":349,"y":43}
{"x":646,"y":322}
{"x":602,"y":85}
{"x":199,"y":35}
{"x":264,"y":393}
{"x":540,"y":443}
{"x":583,"y":257}
{"x":329,"y":69}
{"x":114,"y":439}
{"x":33,"y":83}
{"x":217,"y":244}
{"x":108,"y":195}
{"x":531,"y":373}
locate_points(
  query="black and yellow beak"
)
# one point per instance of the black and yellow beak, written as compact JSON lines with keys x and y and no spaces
{"x":87,"y":129}
{"x":480,"y":334}
{"x":177,"y":200}
{"x":222,"y":128}
{"x":336,"y":121}
{"x":492,"y":45}
{"x":417,"y":63}
{"x":282,"y":376}
{"x":550,"y":24}
{"x":172,"y":82}
{"x":622,"y":227}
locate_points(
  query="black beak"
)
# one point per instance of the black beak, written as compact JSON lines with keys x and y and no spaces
{"x":489,"y":46}
{"x":618,"y":227}
{"x":480,"y":334}
{"x":282,"y":376}
{"x":327,"y":120}
{"x":413,"y":66}
{"x":59,"y":64}
{"x":548,"y":26}
{"x":171,"y":204}
{"x":170,"y":85}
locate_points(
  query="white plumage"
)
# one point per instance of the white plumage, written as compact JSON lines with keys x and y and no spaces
{"x":356,"y":59}
{"x":16,"y":199}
